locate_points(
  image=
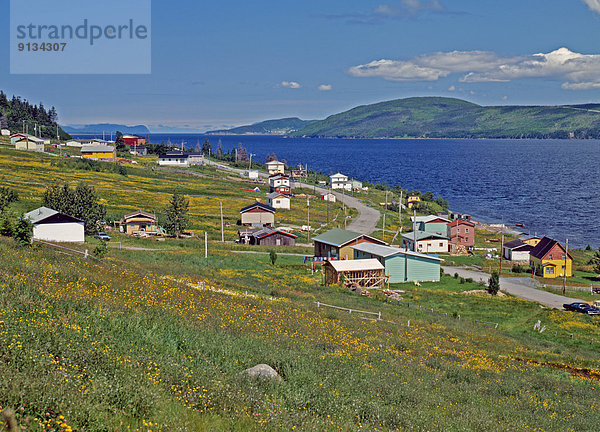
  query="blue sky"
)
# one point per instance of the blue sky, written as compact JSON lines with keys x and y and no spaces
{"x":218,"y":64}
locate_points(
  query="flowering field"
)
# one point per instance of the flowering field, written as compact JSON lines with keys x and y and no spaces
{"x":112,"y":346}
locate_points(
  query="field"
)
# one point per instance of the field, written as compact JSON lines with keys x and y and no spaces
{"x":156,"y":340}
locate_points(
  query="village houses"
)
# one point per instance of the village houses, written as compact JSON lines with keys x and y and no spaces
{"x":278,"y":200}
{"x":340,"y":182}
{"x":258,"y":215}
{"x":280,"y":183}
{"x":52,"y":226}
{"x":549,"y":259}
{"x":337,"y":243}
{"x":139,"y":223}
{"x":275,"y":167}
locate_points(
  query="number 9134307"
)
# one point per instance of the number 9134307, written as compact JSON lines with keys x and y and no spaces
{"x":44,"y":46}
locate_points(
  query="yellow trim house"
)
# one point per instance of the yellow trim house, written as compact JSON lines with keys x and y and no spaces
{"x":99,"y":152}
{"x":413,"y":201}
{"x":550,"y":260}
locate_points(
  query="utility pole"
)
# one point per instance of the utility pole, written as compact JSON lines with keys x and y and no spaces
{"x":308,"y":215}
{"x":205,"y":244}
{"x":400,"y":211}
{"x":344,"y":203}
{"x":222,"y":229}
{"x":384,"y":211}
{"x":565,"y":271}
{"x":501,"y":251}
{"x":250,"y":167}
{"x":415,"y":230}
{"x":23,"y":126}
{"x":328,"y":197}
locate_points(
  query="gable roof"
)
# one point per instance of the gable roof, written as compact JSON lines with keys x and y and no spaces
{"x":387,"y":251}
{"x":97,"y":148}
{"x":337,"y":237}
{"x":356,"y":265}
{"x":530,"y":237}
{"x":268,"y":231}
{"x":273,"y":195}
{"x":45,"y":214}
{"x":517,"y":244}
{"x":258,"y":205}
{"x":139,"y":213}
{"x":274,"y":163}
{"x":422,"y":235}
{"x":429,"y":218}
{"x":544,"y":246}
{"x":338,"y":175}
{"x":456,"y":222}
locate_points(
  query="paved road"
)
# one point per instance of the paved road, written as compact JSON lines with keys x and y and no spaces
{"x":364,"y":223}
{"x":521,"y":287}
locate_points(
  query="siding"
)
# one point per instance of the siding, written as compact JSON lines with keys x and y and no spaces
{"x":406,"y":268}
{"x":72,"y":232}
{"x":250,"y":218}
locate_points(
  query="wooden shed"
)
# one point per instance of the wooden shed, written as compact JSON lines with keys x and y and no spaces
{"x":267,"y":237}
{"x":258,"y":215}
{"x":364,"y":273}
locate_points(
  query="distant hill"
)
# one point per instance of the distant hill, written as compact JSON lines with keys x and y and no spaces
{"x":105,"y":127}
{"x":270,"y":127}
{"x":437,"y":117}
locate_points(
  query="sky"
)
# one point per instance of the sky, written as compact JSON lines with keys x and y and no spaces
{"x":222,"y":64}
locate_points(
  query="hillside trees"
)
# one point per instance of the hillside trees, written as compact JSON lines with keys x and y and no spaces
{"x":80,"y":202}
{"x":176,"y":219}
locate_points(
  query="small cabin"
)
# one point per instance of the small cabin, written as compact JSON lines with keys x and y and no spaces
{"x":258,"y":215}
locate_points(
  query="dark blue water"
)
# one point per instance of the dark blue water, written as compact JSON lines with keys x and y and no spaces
{"x":551,"y":186}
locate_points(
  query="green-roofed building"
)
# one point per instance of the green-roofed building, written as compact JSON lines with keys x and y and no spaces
{"x":337,"y":243}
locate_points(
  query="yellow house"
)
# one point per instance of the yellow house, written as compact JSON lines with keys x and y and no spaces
{"x":550,"y":260}
{"x":413,"y":201}
{"x":99,"y":152}
{"x":140,"y":223}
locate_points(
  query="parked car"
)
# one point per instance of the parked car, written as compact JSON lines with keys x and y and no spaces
{"x":581,"y":308}
{"x":102,"y":236}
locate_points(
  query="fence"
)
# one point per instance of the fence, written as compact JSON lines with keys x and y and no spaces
{"x":349,"y":310}
{"x":85,"y":253}
{"x":591,"y":289}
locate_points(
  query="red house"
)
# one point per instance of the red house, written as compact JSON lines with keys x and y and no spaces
{"x":280,"y":183}
{"x":134,"y":140}
{"x":461,"y":233}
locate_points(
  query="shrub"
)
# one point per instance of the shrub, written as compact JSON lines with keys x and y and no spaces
{"x":273,"y":257}
{"x":100,"y":250}
{"x":516,"y":268}
{"x":461,"y":280}
{"x":23,"y":231}
{"x":494,"y":283}
{"x":455,"y":275}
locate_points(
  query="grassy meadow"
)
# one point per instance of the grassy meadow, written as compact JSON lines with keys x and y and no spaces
{"x":155,"y":340}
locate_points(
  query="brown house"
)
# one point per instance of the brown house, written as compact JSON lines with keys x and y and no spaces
{"x":337,"y":243}
{"x":258,"y":215}
{"x":267,"y":237}
{"x":139,"y":222}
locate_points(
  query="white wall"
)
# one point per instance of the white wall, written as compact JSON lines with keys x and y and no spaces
{"x":71,"y":232}
{"x":279,"y":203}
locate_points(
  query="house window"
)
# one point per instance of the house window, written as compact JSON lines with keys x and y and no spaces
{"x":563,"y":256}
{"x":441,"y":244}
{"x":550,"y":256}
{"x":466,"y":230}
{"x":550,"y":270}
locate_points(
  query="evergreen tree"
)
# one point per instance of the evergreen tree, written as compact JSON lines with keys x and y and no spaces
{"x":121,"y":146}
{"x":220,"y":152}
{"x":3,"y":121}
{"x":206,"y":147}
{"x":7,"y":197}
{"x":23,"y":231}
{"x":494,"y":283}
{"x":81,"y":202}
{"x":176,"y":221}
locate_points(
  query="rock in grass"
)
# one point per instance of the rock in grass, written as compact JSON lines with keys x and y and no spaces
{"x":262,"y":371}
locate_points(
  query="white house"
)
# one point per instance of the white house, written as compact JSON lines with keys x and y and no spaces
{"x":50,"y":225}
{"x":275,"y":167}
{"x":427,"y":242}
{"x":340,"y":181}
{"x":278,"y":201}
{"x":178,"y":159}
{"x":250,"y":174}
{"x":516,"y":250}
{"x":29,"y":144}
{"x":328,"y":197}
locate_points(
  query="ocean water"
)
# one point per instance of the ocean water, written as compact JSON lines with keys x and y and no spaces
{"x":550,"y":186}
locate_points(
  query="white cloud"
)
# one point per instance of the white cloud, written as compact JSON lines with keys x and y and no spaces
{"x":290,"y":84}
{"x":325,"y":87}
{"x":579,"y":71}
{"x":451,"y":88}
{"x":594,"y":5}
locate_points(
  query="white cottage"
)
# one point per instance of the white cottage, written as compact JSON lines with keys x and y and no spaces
{"x":278,"y":201}
{"x":50,"y":225}
{"x":275,"y":167}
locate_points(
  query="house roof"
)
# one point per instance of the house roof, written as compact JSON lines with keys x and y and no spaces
{"x":258,"y":205}
{"x":275,"y":163}
{"x":422,"y":235}
{"x":278,"y":175}
{"x":140,"y":213}
{"x":456,"y":222}
{"x":268,"y":231}
{"x":97,"y":149}
{"x":337,"y":237}
{"x":338,"y":175}
{"x":42,"y":214}
{"x":544,"y":246}
{"x":530,"y":237}
{"x":517,"y":244}
{"x":31,"y":138}
{"x":387,"y":251}
{"x":273,"y":195}
{"x":429,"y":218}
{"x":356,"y":265}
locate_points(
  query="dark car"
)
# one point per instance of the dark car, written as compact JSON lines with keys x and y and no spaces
{"x":581,"y":308}
{"x":102,"y":236}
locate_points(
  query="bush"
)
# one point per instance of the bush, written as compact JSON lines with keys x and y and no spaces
{"x":7,"y":224}
{"x":455,"y":275}
{"x":23,"y":231}
{"x":516,"y":268}
{"x":494,"y":283}
{"x":469,"y":280}
{"x":273,"y":257}
{"x":461,"y":280}
{"x":100,"y":250}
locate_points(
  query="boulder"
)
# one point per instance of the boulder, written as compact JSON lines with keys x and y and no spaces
{"x":262,"y":371}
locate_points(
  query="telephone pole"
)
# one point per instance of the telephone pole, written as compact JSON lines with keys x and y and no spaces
{"x":222,"y":229}
{"x":308,"y":216}
{"x":565,"y":271}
